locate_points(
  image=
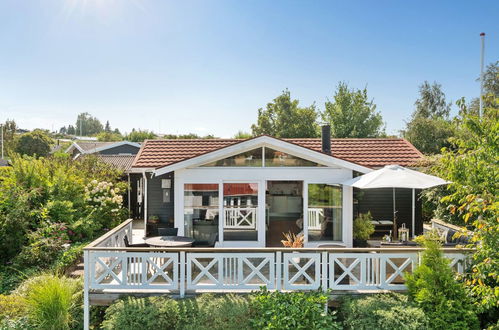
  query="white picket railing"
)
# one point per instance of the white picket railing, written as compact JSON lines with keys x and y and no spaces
{"x":240,"y":217}
{"x":314,"y":218}
{"x":110,"y":266}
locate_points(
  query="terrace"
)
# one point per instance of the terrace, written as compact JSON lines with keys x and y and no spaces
{"x":112,"y":269}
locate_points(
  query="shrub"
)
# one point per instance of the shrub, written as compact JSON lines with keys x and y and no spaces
{"x":14,"y":222}
{"x":22,"y":323}
{"x":212,"y":312}
{"x":68,"y":258}
{"x":52,"y":302}
{"x":433,"y":287}
{"x":296,"y":310}
{"x":44,"y":245}
{"x":11,"y":307}
{"x":363,"y":227}
{"x":384,"y":311}
{"x":11,"y":277}
{"x":142,"y":313}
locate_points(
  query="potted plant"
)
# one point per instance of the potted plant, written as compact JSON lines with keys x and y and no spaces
{"x":153,"y":219}
{"x":293,"y":241}
{"x":362,"y":229}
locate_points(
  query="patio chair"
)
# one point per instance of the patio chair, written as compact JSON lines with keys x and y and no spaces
{"x":209,"y":243}
{"x":167,"y":231}
{"x":127,"y":243}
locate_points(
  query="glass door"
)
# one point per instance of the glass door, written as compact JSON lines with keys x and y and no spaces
{"x":240,"y":207}
{"x":284,"y":210}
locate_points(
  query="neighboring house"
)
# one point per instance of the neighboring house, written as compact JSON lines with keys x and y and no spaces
{"x":247,"y":192}
{"x":103,"y":148}
{"x":4,"y":162}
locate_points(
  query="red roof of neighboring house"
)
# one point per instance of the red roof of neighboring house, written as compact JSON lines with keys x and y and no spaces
{"x":369,"y":152}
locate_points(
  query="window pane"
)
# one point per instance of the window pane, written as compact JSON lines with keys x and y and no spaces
{"x":240,"y":211}
{"x":201,"y":212}
{"x":278,"y":158}
{"x":251,"y":158}
{"x":324,"y":212}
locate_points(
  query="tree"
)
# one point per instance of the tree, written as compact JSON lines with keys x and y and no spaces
{"x":107,"y":129}
{"x":71,"y":130}
{"x":109,"y":137}
{"x":9,"y":131}
{"x":490,"y":89}
{"x":352,"y":115}
{"x":242,"y":135}
{"x":87,"y":125}
{"x":431,"y":102}
{"x":430,"y":128}
{"x":429,"y":135}
{"x":472,"y":198}
{"x":35,"y":143}
{"x":283,"y":118}
{"x":433,"y":287}
{"x":139,"y":136}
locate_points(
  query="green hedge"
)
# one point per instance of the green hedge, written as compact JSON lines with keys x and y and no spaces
{"x":262,"y":310}
{"x":383,"y":311}
{"x":297,"y":310}
{"x":205,"y":312}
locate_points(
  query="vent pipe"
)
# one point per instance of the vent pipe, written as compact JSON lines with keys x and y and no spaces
{"x":326,"y":139}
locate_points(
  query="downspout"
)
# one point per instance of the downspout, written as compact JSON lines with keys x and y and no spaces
{"x":144,"y":176}
{"x":129,"y":192}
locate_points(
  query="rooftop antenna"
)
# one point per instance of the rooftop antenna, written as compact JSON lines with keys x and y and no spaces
{"x":482,"y":37}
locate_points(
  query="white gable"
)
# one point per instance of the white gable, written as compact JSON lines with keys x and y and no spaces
{"x":264,"y":141}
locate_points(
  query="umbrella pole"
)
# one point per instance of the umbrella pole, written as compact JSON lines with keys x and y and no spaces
{"x":394,"y":234}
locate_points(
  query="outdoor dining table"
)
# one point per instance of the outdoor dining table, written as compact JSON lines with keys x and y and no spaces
{"x":169,"y":241}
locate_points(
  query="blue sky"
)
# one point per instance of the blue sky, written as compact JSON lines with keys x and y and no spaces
{"x":207,"y":66}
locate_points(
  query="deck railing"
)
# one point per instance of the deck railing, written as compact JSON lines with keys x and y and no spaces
{"x":240,"y":217}
{"x":314,"y":218}
{"x":110,"y":267}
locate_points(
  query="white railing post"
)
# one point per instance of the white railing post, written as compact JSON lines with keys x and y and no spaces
{"x":324,"y":272}
{"x":278,"y":270}
{"x":182,"y":266}
{"x":86,"y":283}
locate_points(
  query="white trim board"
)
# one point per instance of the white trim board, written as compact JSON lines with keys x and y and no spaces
{"x":264,"y":141}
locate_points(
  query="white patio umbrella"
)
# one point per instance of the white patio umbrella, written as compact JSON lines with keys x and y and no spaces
{"x":395,"y":176}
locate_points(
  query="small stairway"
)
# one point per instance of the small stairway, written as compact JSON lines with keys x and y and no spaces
{"x":77,"y":270}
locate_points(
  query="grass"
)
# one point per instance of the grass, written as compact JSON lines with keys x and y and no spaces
{"x":51,"y":301}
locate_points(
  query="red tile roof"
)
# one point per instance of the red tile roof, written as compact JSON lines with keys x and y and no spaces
{"x":366,"y":152}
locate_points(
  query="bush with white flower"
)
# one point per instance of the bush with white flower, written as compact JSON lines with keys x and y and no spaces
{"x":105,"y":204}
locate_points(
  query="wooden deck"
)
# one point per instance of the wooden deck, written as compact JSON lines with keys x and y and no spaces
{"x":112,"y":270}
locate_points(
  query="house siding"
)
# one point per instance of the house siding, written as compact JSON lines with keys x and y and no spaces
{"x":122,"y":149}
{"x":155,"y":205}
{"x":380,"y":203}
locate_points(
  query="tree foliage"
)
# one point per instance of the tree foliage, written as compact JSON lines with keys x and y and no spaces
{"x":35,"y":143}
{"x":430,"y":128}
{"x":109,"y":136}
{"x":139,"y":136}
{"x":433,"y":287}
{"x":9,"y":131}
{"x":352,"y":115}
{"x":429,"y":135}
{"x":284,"y":118}
{"x":242,"y":135}
{"x":38,"y":193}
{"x":431,"y":102}
{"x":472,"y":198}
{"x":87,"y":125}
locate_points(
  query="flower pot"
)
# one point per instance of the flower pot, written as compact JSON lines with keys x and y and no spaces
{"x":360,"y":243}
